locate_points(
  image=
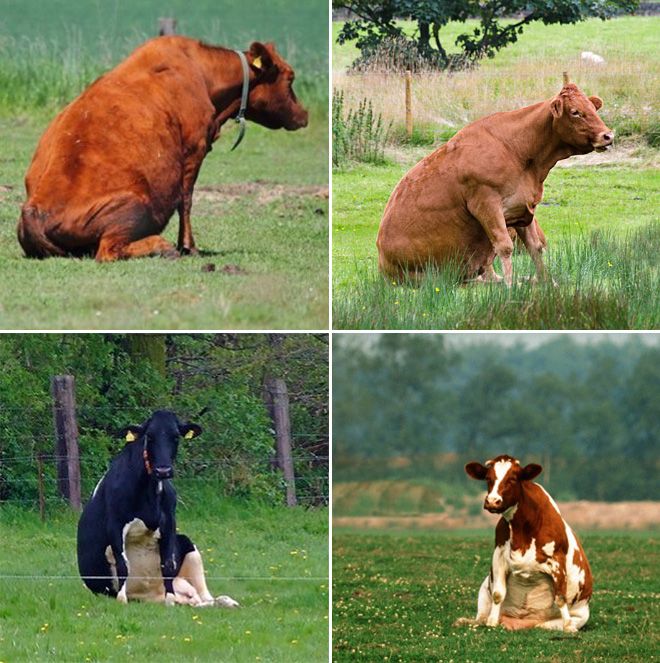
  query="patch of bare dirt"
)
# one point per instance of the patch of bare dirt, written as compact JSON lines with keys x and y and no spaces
{"x":580,"y":515}
{"x":5,"y":189}
{"x":264,"y":192}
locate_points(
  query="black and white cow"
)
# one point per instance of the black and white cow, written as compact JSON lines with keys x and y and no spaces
{"x":127,"y":541}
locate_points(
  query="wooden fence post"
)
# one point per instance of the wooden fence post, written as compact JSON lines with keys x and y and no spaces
{"x":66,"y":434}
{"x":277,"y":400}
{"x":40,"y":487}
{"x":409,"y":117}
{"x":166,"y":26}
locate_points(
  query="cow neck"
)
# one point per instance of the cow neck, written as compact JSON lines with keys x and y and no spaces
{"x":224,"y":80}
{"x":527,"y":515}
{"x":544,"y":152}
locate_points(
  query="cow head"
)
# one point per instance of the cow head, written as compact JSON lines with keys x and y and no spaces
{"x":503,"y":475}
{"x":159,"y":438}
{"x":272,"y":101}
{"x":576,"y":122}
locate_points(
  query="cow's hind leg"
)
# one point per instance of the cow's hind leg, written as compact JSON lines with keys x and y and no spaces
{"x":126,"y":229}
{"x":192,"y":570}
{"x":578,"y":615}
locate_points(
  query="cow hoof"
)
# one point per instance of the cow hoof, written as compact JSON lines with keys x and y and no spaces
{"x":170,"y":599}
{"x":189,"y":251}
{"x":226,"y":602}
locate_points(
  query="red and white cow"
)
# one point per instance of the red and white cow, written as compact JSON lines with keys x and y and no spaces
{"x":539,"y":574}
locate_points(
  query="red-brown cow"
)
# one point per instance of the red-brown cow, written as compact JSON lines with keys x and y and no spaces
{"x":458,"y":202}
{"x":118,"y":161}
{"x":539,"y":575}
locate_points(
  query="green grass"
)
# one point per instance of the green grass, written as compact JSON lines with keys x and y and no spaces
{"x":49,"y":51}
{"x":623,"y":37}
{"x":280,"y":620}
{"x":601,"y":225}
{"x":397,"y":594}
{"x":278,"y":238}
{"x":262,"y":208}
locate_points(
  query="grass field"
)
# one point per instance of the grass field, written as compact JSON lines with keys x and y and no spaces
{"x":600,"y":215}
{"x":397,"y":594}
{"x":280,"y":620}
{"x":260,"y":214}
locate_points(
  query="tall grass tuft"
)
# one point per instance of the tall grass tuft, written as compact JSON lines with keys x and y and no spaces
{"x":601,"y":282}
{"x":359,"y":135}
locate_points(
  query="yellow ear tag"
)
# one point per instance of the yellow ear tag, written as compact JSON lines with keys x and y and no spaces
{"x":189,"y":435}
{"x":257,"y":62}
{"x":131,"y":436}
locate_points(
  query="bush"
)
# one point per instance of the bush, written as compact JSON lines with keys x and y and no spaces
{"x":359,"y":135}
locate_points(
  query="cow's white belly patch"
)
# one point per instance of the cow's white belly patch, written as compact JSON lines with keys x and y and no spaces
{"x":529,"y":587}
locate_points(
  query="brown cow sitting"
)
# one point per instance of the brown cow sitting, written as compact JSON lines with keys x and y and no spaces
{"x":116,"y":163}
{"x":459,"y":202}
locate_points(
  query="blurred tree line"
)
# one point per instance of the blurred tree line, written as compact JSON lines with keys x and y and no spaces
{"x":215,"y":380}
{"x":414,"y":406}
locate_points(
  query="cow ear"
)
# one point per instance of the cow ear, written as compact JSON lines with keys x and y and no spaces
{"x":476,"y":471}
{"x":132,"y":433}
{"x":188,"y":431}
{"x":556,"y":107}
{"x":597,"y":102}
{"x":259,"y":57}
{"x":530,"y":471}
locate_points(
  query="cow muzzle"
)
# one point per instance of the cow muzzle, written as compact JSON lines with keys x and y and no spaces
{"x":603,"y":141}
{"x":298,"y":121}
{"x":161,"y":473}
{"x":493,"y":504}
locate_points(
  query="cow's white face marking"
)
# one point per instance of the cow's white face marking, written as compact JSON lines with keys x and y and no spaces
{"x":159,"y":489}
{"x":501,"y":468}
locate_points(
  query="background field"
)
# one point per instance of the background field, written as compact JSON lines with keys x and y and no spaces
{"x":597,"y":211}
{"x":259,"y":213}
{"x":273,"y":560}
{"x":396,"y":595}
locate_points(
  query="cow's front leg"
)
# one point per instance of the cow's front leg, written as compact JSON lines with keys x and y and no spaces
{"x":531,"y":238}
{"x":186,"y":242}
{"x":486,"y":206}
{"x":121,"y":564}
{"x":168,"y":566}
{"x":497,"y":586}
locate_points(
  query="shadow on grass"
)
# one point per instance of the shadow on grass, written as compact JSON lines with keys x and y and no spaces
{"x":602,"y":282}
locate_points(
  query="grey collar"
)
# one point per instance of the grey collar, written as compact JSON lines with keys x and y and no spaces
{"x":240,"y":118}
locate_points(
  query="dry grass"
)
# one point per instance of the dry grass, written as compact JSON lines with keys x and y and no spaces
{"x":449,"y":101}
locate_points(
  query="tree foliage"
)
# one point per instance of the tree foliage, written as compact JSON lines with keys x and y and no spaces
{"x":215,"y":380}
{"x":411,"y":406}
{"x":374,"y":23}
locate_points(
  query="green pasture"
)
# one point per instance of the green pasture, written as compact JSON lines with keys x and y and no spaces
{"x":622,"y":37}
{"x":250,"y":552}
{"x":263,"y":229}
{"x":600,"y":218}
{"x":260,"y":214}
{"x":396,"y":595}
{"x":603,"y":235}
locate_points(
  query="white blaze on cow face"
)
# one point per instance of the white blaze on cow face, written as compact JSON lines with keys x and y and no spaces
{"x":494,"y":498}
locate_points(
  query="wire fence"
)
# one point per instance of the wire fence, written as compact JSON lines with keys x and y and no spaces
{"x":31,"y":480}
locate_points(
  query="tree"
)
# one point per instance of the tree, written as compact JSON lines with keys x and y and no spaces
{"x":377,"y":23}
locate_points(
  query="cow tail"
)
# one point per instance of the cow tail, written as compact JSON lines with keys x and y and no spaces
{"x":32,"y":237}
